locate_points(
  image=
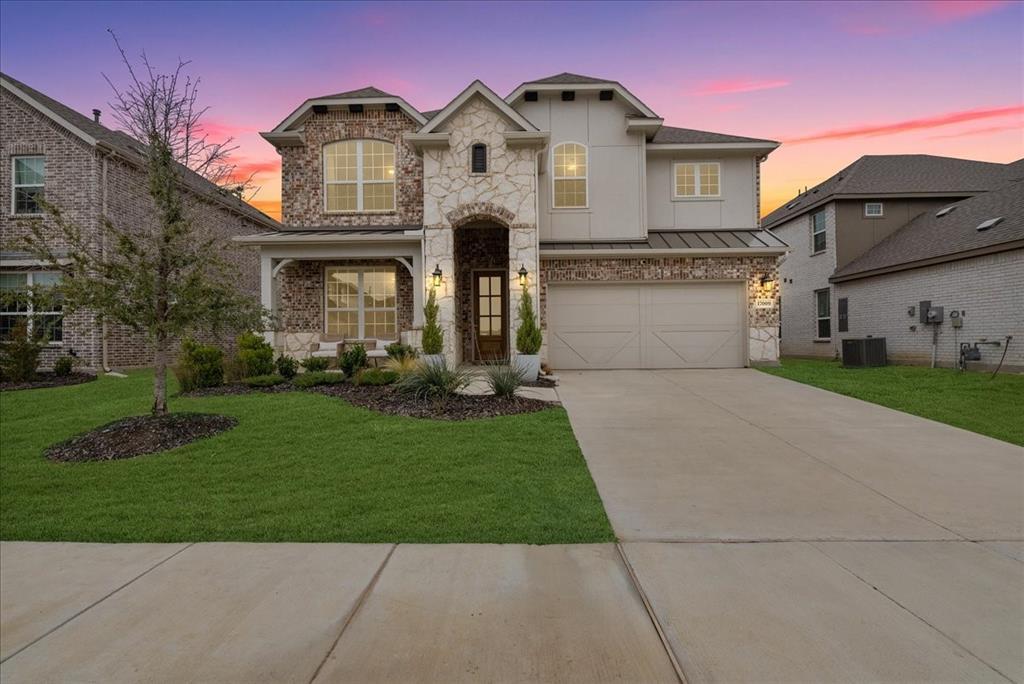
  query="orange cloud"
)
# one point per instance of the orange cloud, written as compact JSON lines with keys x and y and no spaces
{"x":737,"y":85}
{"x":946,"y":119}
{"x":268,"y":207}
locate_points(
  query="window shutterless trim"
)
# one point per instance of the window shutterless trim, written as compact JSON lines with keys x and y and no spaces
{"x":30,"y":310}
{"x":473,"y":158}
{"x":360,"y":308}
{"x":359,"y":182}
{"x":823,"y":231}
{"x":696,"y":179}
{"x":585,"y":178}
{"x":818,"y":318}
{"x":15,"y":185}
{"x":881,"y":209}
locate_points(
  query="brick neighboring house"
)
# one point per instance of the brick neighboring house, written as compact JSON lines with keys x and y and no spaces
{"x":90,"y":171}
{"x":888,"y":232}
{"x":640,"y":241}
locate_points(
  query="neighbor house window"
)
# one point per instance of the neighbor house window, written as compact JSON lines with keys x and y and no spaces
{"x":818,"y":232}
{"x":43,"y":313}
{"x":361,"y":303}
{"x":478,"y":158}
{"x":359,"y":175}
{"x":843,"y":313}
{"x":873,"y":209}
{"x":823,"y":311}
{"x":27,"y":177}
{"x":698,"y":179}
{"x":570,"y":176}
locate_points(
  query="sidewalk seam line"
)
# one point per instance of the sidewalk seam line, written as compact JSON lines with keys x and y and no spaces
{"x":363,"y":595}
{"x":97,"y":602}
{"x":908,"y":610}
{"x":651,"y":615}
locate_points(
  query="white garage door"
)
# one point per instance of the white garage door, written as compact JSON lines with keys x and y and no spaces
{"x":670,"y":325}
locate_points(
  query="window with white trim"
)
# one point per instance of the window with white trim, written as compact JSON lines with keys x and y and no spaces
{"x":873,"y":210}
{"x":361,"y":302}
{"x":697,"y":179}
{"x":359,"y":175}
{"x":818,"y":239}
{"x":24,"y":297}
{"x":28,"y":175}
{"x":570,"y":176}
{"x":823,"y":314}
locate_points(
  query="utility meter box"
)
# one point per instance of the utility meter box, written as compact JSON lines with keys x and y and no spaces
{"x":934,"y":314}
{"x":956,"y":319}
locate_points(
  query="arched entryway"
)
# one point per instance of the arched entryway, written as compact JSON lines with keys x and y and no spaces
{"x":482,"y":291}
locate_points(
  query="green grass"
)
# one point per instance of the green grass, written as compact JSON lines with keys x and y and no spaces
{"x":972,"y":401}
{"x":298,"y":467}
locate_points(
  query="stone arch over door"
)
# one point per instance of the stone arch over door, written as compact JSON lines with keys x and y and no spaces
{"x":480,"y":212}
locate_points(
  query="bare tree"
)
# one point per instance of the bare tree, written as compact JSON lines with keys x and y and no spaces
{"x":163,"y":278}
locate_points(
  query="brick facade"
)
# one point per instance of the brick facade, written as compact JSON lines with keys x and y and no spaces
{"x":302,"y":195}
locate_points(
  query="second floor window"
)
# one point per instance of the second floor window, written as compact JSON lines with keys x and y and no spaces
{"x":698,"y":179}
{"x":28,"y":175}
{"x":478,"y":158}
{"x":570,"y":177}
{"x":873,"y":210}
{"x":818,"y":242}
{"x":359,"y":175}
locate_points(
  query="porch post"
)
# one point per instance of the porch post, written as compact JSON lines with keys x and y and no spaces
{"x":267,"y":290}
{"x":417,"y":291}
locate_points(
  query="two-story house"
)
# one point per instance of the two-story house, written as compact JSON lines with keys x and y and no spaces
{"x":91,"y":173}
{"x":841,"y":220}
{"x":640,"y":241}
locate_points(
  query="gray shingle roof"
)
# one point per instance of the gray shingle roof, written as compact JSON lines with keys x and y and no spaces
{"x":430,"y":114}
{"x":368,"y":91}
{"x":896,"y":175}
{"x":566,"y":78}
{"x":133,"y":149}
{"x":945,"y":237}
{"x":673,"y":135}
{"x":680,"y":239}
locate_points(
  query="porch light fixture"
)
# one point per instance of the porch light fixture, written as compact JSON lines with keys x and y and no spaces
{"x":522,"y":275}
{"x":767,"y":282}
{"x":437,"y":275}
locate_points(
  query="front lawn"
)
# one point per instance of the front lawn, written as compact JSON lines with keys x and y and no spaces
{"x":972,"y":401}
{"x":298,"y":467}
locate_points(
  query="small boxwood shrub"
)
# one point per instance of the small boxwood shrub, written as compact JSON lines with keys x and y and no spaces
{"x":287,"y":367}
{"x":400,"y":352}
{"x":318,"y":378}
{"x":352,"y":360}
{"x":199,"y":365}
{"x":63,"y":366}
{"x":19,"y":356}
{"x":255,"y":355}
{"x":263,"y":380}
{"x":376,"y":377}
{"x":316,"y":364}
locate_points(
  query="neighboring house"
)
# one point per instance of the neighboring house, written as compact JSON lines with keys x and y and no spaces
{"x":89,"y":171}
{"x":841,"y":220}
{"x":640,"y":241}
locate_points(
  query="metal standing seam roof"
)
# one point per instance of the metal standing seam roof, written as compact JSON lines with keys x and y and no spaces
{"x":724,"y":240}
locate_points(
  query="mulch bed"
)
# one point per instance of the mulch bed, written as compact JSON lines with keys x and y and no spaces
{"x":232,"y":389}
{"x":139,"y":435}
{"x":47,"y":380}
{"x":388,"y":400}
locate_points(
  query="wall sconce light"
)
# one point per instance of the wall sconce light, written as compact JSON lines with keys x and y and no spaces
{"x":767,"y":282}
{"x":437,"y":275}
{"x":522,"y":275}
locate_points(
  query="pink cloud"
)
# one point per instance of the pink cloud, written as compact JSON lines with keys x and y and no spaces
{"x":865,"y":130}
{"x":222,"y":130}
{"x":978,"y":131}
{"x":944,"y":11}
{"x":737,"y":85}
{"x":907,"y":17}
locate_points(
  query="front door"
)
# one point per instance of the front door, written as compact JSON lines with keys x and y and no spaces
{"x":489,"y":316}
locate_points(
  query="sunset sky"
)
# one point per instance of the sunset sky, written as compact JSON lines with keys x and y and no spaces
{"x":832,"y":81}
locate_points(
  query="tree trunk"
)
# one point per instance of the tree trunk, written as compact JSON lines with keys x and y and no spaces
{"x":160,"y":377}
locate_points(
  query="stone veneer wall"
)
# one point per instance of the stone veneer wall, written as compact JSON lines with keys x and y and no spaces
{"x":452,"y":197}
{"x":763,"y":324}
{"x":302,"y":196}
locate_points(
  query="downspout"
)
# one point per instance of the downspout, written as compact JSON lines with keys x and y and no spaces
{"x":536,"y":232}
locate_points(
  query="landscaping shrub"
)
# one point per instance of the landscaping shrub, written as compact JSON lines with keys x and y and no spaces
{"x":255,"y":355}
{"x":19,"y":356}
{"x":528,"y":336}
{"x":287,"y":367}
{"x":352,"y":360}
{"x":403,"y":366}
{"x":316,"y":364}
{"x":433,"y":336}
{"x":263,"y":380}
{"x":199,"y":365}
{"x":504,"y":380}
{"x":376,"y":376}
{"x":318,"y":378}
{"x":63,"y":366}
{"x":435,"y":381}
{"x":399,"y":351}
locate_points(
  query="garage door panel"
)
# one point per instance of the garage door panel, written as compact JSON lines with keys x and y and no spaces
{"x":692,"y":348}
{"x":596,"y":348}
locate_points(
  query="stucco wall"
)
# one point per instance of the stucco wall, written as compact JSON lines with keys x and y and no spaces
{"x":989,"y":290}
{"x":735,"y":209}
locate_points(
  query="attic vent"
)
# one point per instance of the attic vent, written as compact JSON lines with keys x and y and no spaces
{"x":530,"y":95}
{"x":568,"y":95}
{"x":391,"y":106}
{"x":985,"y":225}
{"x":319,"y":109}
{"x":606,"y":95}
{"x":355,"y":108}
{"x":945,"y":210}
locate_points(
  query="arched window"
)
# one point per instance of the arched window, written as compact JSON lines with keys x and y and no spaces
{"x":359,"y":175}
{"x":478,"y":158}
{"x":570,"y":176}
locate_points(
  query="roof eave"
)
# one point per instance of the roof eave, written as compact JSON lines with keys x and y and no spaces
{"x":607,"y":85}
{"x":639,"y":253}
{"x":282,"y":238}
{"x":46,"y":111}
{"x":421,"y":141}
{"x":931,"y":261}
{"x":762,"y":147}
{"x":477,"y":87}
{"x":306,"y":106}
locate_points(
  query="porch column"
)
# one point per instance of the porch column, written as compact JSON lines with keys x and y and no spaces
{"x":267,"y":290}
{"x":417,"y":291}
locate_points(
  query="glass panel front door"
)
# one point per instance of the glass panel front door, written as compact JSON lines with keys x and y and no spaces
{"x":489,"y":317}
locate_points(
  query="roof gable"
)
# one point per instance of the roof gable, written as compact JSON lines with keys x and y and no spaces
{"x":566,"y":78}
{"x":559,"y":81}
{"x":368,"y":95}
{"x":476,"y":88}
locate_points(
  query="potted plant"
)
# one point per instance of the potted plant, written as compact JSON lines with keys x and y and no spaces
{"x":528,"y":340}
{"x":433,"y":336}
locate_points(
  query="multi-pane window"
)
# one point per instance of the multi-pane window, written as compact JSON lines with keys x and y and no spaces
{"x":28,"y":175}
{"x":361,"y":303}
{"x":25,"y":297}
{"x":873,"y":210}
{"x":818,"y":232}
{"x":570,"y":177}
{"x":698,"y":179}
{"x":359,"y":175}
{"x":823,"y":314}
